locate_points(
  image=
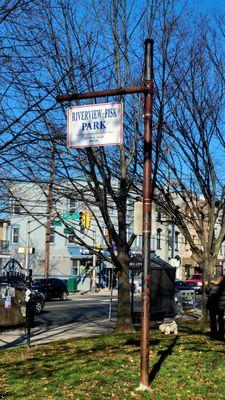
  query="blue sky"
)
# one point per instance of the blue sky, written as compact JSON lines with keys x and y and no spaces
{"x":209,"y":5}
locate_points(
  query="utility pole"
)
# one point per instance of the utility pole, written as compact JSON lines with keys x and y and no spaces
{"x":147,"y":89}
{"x":49,"y":213}
{"x":27,"y":248}
{"x":94,"y":288}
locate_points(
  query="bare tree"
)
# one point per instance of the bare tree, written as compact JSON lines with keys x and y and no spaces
{"x":69,"y":52}
{"x":76,"y":53}
{"x":84,"y":56}
{"x":10,"y":9}
{"x":191,"y":150}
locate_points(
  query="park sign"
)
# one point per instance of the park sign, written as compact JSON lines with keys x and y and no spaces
{"x":95,"y":125}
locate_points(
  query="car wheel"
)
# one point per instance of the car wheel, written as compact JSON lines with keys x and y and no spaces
{"x":64,"y":296}
{"x":38,"y":307}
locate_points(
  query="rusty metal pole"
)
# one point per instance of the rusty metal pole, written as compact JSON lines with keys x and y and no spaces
{"x":101,"y":93}
{"x":147,"y":203}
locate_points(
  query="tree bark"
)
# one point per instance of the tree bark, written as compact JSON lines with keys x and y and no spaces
{"x":208,"y":268}
{"x":124,"y":318}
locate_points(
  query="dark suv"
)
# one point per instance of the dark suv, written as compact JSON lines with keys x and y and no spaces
{"x":51,"y":288}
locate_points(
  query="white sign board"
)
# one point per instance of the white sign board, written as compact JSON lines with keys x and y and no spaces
{"x":138,"y":218}
{"x":95,"y":125}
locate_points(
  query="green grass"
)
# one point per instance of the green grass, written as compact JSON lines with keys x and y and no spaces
{"x":188,"y":367}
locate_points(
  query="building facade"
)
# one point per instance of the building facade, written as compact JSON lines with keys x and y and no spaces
{"x":24,"y":236}
{"x":27,"y":234}
{"x":4,"y":242}
{"x":67,"y":257}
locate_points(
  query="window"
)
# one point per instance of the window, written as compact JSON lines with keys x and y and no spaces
{"x":16,"y":207}
{"x":1,"y":231}
{"x":106,"y":233}
{"x":72,"y":206}
{"x":75,"y":264}
{"x":159,"y":216}
{"x":158,"y":239}
{"x":169,"y":240}
{"x":176,"y":240}
{"x":52,"y":235}
{"x":187,"y":269}
{"x":138,"y":241}
{"x":70,"y":238}
{"x":15,"y":235}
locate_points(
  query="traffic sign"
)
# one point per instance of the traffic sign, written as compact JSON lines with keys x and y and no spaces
{"x":68,"y":216}
{"x":68,"y":231}
{"x":56,"y":223}
{"x":76,"y":215}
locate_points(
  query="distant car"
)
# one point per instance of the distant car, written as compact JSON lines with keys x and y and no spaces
{"x":195,"y":281}
{"x":51,"y":288}
{"x":183,"y":285}
{"x":187,"y":294}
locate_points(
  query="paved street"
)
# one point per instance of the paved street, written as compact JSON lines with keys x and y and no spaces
{"x":84,"y":314}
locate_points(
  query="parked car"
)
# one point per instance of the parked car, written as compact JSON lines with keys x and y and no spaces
{"x":39,"y":299}
{"x":195,"y":281}
{"x":186,"y":293}
{"x":51,"y":288}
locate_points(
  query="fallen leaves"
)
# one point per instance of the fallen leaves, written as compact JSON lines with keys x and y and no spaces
{"x":108,"y":367}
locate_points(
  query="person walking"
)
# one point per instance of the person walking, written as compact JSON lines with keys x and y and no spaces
{"x":215,"y":290}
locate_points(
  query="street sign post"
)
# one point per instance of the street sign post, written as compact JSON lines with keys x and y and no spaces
{"x":68,"y":216}
{"x":95,"y":125}
{"x":147,"y":89}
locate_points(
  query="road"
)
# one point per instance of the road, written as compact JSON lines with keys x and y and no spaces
{"x":81,"y":308}
{"x":77,"y":309}
{"x":79,"y":316}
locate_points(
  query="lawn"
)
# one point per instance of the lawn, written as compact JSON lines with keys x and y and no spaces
{"x":189,"y":366}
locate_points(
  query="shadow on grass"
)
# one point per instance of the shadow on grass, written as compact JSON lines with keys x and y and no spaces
{"x":194,"y":328}
{"x":163,"y":355}
{"x":136,"y":342}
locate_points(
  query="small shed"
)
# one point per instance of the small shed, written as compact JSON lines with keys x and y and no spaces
{"x":162,"y":284}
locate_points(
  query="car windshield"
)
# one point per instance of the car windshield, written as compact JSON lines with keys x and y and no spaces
{"x":39,"y":282}
{"x":180,"y":284}
{"x":198,"y":276}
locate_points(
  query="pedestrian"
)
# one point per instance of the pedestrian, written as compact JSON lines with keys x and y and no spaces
{"x":215,"y":290}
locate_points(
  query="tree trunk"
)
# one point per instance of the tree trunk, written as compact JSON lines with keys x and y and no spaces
{"x":208,"y":268}
{"x":124,"y":317}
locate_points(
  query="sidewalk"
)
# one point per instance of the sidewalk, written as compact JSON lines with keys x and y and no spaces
{"x":40,"y":335}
